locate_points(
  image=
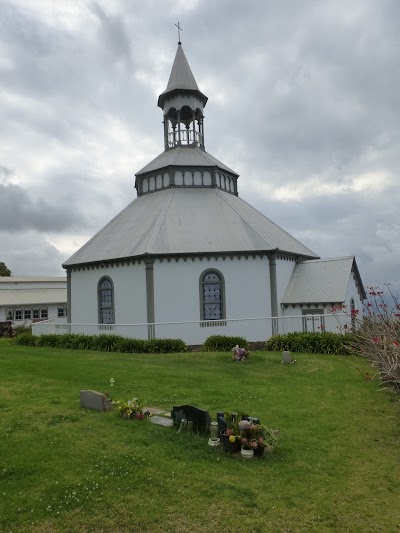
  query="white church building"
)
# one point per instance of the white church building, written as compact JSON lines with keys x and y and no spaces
{"x":188,"y":258}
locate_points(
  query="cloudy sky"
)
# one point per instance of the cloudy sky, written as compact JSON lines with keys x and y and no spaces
{"x":304,"y":103}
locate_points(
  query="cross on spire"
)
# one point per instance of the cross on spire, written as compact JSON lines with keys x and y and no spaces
{"x":179,"y":33}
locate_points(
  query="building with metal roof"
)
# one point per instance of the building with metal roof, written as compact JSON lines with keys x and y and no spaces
{"x":24,"y":300}
{"x":188,"y":248}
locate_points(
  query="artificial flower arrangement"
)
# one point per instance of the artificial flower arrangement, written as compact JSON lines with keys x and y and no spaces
{"x":249,"y":434}
{"x":240,"y":354}
{"x":108,"y":394}
{"x":132,"y":409}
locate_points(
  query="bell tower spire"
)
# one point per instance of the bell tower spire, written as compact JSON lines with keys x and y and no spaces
{"x":182,"y":103}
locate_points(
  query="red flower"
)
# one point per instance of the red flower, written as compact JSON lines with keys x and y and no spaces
{"x":396,"y":343}
{"x":376,"y":339}
{"x":369,"y":304}
{"x":397,"y":314}
{"x":354,"y":312}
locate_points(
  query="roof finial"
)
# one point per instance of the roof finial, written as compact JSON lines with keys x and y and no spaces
{"x":179,"y":33}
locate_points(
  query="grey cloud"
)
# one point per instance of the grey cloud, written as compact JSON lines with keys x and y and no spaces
{"x":296,"y":90}
{"x":29,"y":254}
{"x":113,"y":34}
{"x":19,"y":211}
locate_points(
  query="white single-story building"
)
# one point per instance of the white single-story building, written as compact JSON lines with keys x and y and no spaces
{"x":24,"y":300}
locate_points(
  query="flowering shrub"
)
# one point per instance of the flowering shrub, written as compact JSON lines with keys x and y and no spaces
{"x":6,"y":329}
{"x":240,"y":354}
{"x":376,"y":333}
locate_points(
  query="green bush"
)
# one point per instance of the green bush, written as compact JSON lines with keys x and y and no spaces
{"x":223,"y":343}
{"x":124,"y":345}
{"x":50,"y":340}
{"x":166,"y":346}
{"x":103,"y":343}
{"x":25,"y":339}
{"x":19,"y":330}
{"x":329,"y":343}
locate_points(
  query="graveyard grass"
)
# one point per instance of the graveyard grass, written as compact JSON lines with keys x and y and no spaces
{"x":64,"y":468}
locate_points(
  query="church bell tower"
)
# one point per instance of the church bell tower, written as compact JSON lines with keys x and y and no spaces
{"x":182,"y":103}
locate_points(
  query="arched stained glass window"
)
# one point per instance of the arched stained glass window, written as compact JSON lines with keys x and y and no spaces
{"x":212,"y":295}
{"x":106,"y":301}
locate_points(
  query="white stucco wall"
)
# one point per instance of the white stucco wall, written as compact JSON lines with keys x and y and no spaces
{"x":129,"y":294}
{"x":177,"y":289}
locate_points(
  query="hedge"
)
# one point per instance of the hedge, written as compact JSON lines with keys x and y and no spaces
{"x":223,"y":343}
{"x":103,"y":343}
{"x":329,"y":343}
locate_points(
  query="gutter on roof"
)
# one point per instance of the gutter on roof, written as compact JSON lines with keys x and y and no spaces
{"x":179,"y":255}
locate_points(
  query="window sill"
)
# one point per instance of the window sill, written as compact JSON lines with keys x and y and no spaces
{"x":212,"y":323}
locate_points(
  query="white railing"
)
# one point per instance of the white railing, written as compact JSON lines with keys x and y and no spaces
{"x":186,"y":137}
{"x":195,"y":332}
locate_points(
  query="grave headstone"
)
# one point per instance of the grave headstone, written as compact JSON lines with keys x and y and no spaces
{"x":222,"y":423}
{"x":201,"y":419}
{"x":92,"y":399}
{"x":287,"y":358}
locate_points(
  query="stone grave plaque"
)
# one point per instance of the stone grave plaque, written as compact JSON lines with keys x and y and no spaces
{"x":92,"y":399}
{"x":161,"y":421}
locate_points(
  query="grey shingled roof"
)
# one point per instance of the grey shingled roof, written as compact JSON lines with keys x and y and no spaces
{"x":187,"y":156}
{"x":32,"y":296}
{"x":186,"y":221}
{"x":320,"y":281}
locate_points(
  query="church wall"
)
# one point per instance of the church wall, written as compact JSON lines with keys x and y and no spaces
{"x":129,"y":294}
{"x":284,"y":271}
{"x":177,"y":288}
{"x":352,"y":292}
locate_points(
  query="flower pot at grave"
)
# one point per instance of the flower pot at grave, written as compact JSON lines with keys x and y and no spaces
{"x":247,"y":454}
{"x":227,"y":445}
{"x":259,"y":451}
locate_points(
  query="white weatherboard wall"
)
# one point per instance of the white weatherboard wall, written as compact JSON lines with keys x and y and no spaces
{"x":284,"y":271}
{"x":52,"y":312}
{"x":129,"y":294}
{"x":352,"y":292}
{"x":177,"y":287}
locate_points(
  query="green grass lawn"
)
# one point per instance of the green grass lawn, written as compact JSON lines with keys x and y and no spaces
{"x":64,"y":468}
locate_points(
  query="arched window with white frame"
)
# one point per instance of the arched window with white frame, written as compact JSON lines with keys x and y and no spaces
{"x":106,"y":301}
{"x":212,"y":295}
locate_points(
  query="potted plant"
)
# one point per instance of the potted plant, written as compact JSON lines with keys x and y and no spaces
{"x":254,"y":438}
{"x":230,"y":434}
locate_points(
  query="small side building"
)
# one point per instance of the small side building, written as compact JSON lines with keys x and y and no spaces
{"x":317,"y":286}
{"x":24,"y":300}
